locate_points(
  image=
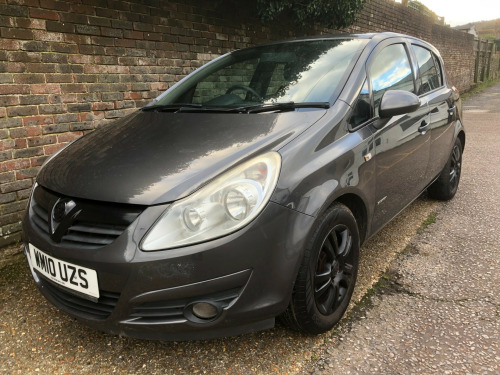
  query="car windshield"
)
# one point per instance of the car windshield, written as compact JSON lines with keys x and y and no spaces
{"x":293,"y":72}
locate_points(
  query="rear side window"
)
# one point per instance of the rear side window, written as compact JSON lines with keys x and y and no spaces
{"x":390,"y":70}
{"x":428,"y":72}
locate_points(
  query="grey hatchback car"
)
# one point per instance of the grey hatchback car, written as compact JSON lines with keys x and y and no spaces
{"x":244,"y":192}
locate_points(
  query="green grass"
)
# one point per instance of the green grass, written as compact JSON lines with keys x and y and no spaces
{"x":479,"y":87}
{"x":431,"y":219}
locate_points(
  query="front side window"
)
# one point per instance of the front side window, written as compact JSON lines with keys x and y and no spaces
{"x":428,"y":71}
{"x":299,"y":72}
{"x":390,"y":70}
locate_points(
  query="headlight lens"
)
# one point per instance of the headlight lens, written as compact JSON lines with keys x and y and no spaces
{"x":226,"y":204}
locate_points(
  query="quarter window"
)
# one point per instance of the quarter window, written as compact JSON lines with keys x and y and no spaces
{"x":362,"y":109}
{"x":428,"y":72}
{"x":438,"y":68}
{"x":390,"y":70}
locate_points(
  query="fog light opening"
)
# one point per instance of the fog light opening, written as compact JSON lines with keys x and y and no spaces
{"x":205,"y":310}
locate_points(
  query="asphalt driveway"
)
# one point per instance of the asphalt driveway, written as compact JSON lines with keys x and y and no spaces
{"x":436,"y":309}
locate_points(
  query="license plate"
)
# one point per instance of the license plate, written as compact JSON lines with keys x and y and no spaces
{"x":69,"y":275}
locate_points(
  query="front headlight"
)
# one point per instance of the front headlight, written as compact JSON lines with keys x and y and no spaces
{"x":226,"y":204}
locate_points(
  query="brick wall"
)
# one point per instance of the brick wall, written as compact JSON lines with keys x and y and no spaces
{"x":67,"y":66}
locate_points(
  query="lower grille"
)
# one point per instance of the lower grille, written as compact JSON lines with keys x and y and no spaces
{"x":99,"y":310}
{"x":171,"y":311}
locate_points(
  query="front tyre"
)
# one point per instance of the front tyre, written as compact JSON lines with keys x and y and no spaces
{"x":327,"y":275}
{"x":446,"y":186}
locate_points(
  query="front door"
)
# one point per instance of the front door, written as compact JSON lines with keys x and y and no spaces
{"x":402,"y":143}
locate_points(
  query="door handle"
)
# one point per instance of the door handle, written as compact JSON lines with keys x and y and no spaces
{"x":423,"y":127}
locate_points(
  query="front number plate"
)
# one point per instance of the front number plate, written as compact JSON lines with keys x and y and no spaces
{"x":69,"y":275}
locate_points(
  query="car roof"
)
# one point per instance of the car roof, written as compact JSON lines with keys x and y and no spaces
{"x":370,"y":36}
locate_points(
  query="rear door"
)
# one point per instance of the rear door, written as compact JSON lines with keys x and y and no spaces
{"x":402,"y":143}
{"x":431,"y":88}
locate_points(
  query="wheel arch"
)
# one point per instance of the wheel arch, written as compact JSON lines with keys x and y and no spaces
{"x":358,"y":208}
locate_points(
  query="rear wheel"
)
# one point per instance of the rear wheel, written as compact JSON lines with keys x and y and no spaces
{"x":327,"y":274}
{"x":446,"y":186}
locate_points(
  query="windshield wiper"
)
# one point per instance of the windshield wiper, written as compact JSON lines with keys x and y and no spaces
{"x":170,"y":107}
{"x":255,"y":108}
{"x":286,"y":106}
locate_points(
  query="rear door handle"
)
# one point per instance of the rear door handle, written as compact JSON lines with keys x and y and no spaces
{"x":423,"y":127}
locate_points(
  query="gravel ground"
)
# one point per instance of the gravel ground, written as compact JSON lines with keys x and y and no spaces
{"x":438,"y":307}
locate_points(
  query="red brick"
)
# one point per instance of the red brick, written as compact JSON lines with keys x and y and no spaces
{"x":45,"y":14}
{"x":46,"y":89}
{"x":73,"y":88}
{"x":20,"y":143}
{"x":6,"y":100}
{"x":9,"y":44}
{"x":29,"y":78}
{"x":24,"y":56}
{"x":95,"y":69}
{"x":27,"y":110}
{"x":7,"y":144}
{"x":49,"y":150}
{"x":16,"y":33}
{"x":48,"y":36}
{"x":12,"y":67}
{"x":41,"y":68}
{"x":43,"y":140}
{"x":33,"y":131}
{"x":13,"y":165}
{"x":37,"y":120}
{"x":68,"y":137}
{"x":29,"y":172}
{"x":80,"y":59}
{"x":14,"y":89}
{"x":129,"y":34}
{"x":59,"y":78}
{"x":68,"y":98}
{"x":101,"y":106}
{"x":54,"y":4}
{"x":14,"y":186}
{"x":27,"y":23}
{"x":37,"y":161}
{"x":132,"y":95}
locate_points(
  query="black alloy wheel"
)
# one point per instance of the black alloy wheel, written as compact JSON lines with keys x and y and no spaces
{"x":446,"y":185}
{"x":334,"y":270}
{"x":327,"y":274}
{"x":455,"y":167}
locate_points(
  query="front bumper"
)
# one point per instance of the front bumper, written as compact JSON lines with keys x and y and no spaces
{"x":249,"y":275}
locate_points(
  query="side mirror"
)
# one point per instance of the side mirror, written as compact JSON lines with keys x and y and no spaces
{"x":398,"y":102}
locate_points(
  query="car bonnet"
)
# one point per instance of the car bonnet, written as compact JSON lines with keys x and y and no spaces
{"x":151,"y":158}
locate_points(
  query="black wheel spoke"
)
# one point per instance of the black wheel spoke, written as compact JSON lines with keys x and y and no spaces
{"x":329,"y":247}
{"x":323,"y":277}
{"x":343,"y":236}
{"x":333,"y":300}
{"x":319,"y":292}
{"x":348,"y":268}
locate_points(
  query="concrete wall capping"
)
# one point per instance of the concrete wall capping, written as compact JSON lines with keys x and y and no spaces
{"x":66,"y":68}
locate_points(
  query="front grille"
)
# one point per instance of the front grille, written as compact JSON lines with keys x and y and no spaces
{"x":79,"y":306}
{"x":92,"y":225}
{"x":171,"y":311}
